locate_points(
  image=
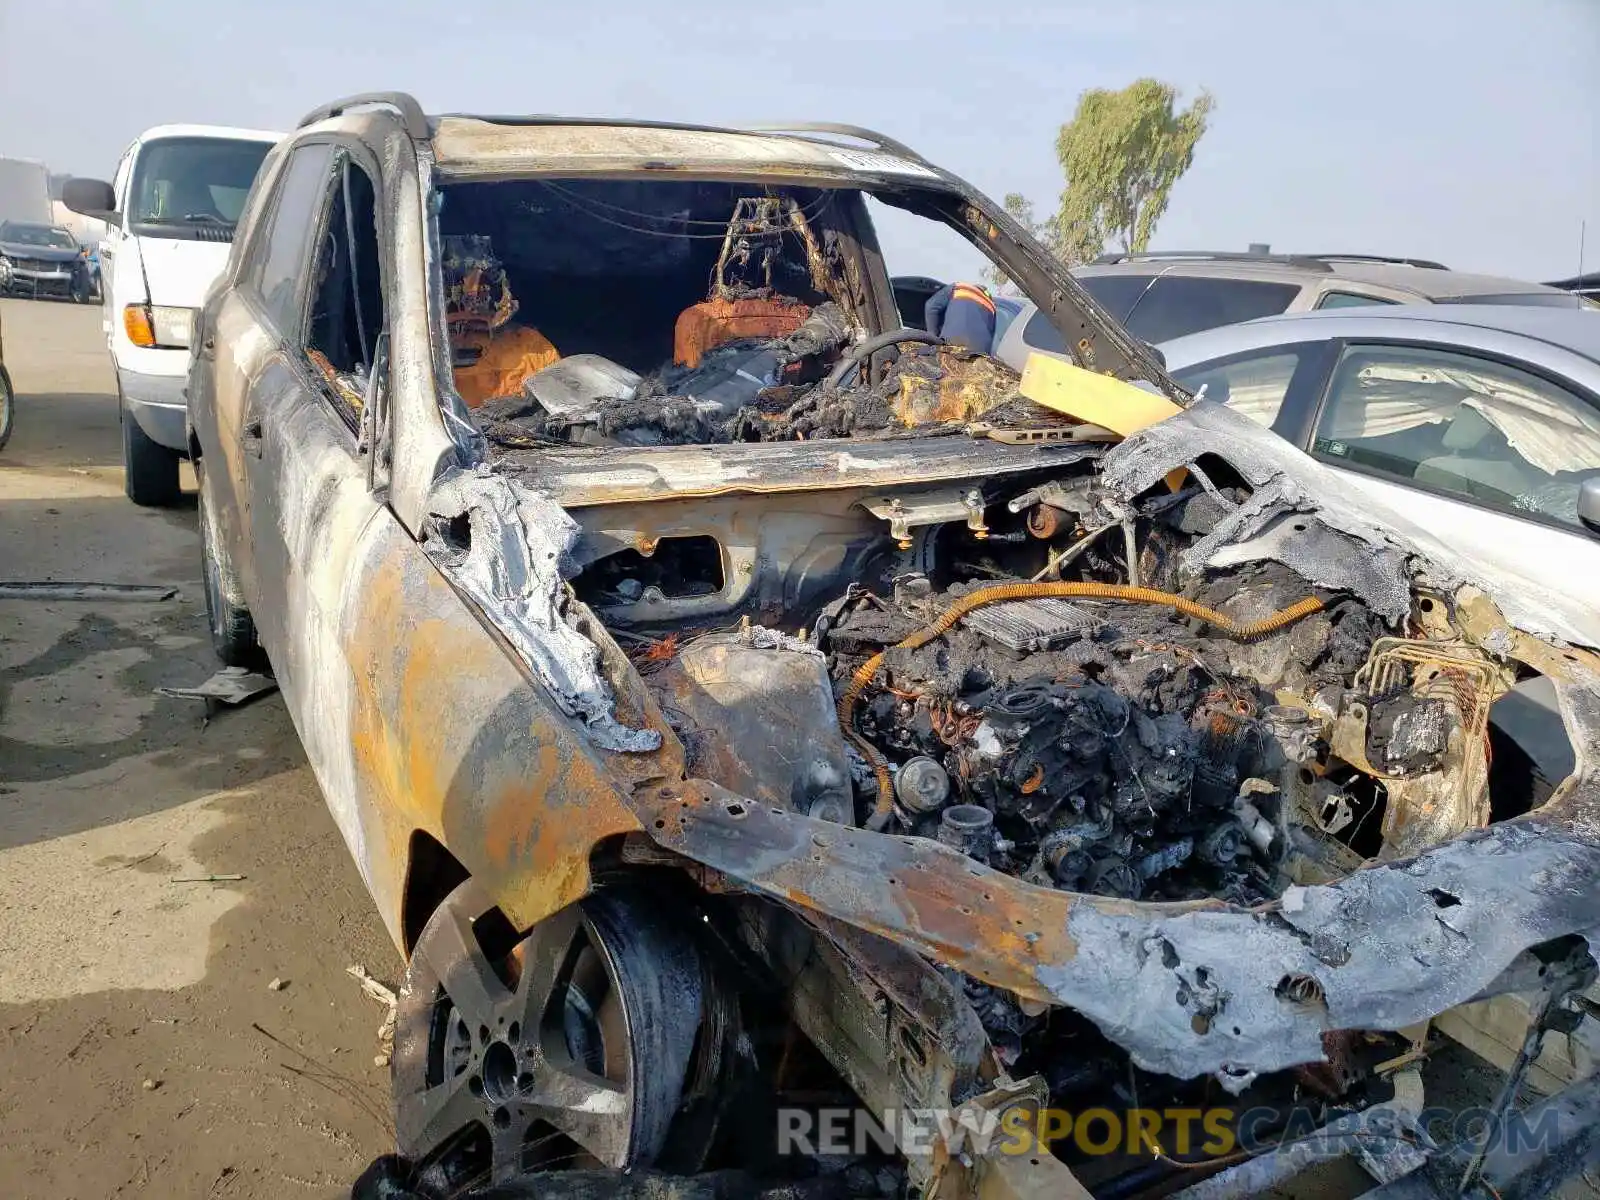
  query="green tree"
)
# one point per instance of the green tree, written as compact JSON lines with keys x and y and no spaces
{"x":1121,"y":153}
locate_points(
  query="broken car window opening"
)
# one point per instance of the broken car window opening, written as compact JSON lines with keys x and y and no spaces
{"x":714,"y":312}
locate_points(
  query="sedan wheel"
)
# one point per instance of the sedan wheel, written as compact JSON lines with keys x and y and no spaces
{"x":565,"y":1047}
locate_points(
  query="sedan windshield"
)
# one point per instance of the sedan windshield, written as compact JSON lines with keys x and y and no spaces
{"x":36,"y":235}
{"x":194,"y":181}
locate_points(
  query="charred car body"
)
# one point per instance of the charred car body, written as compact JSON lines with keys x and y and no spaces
{"x":736,"y":702}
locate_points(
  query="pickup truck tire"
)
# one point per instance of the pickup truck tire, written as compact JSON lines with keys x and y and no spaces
{"x":233,"y":630}
{"x":8,"y":407}
{"x":150,"y":470}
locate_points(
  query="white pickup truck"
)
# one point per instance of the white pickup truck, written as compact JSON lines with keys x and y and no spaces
{"x":170,"y":213}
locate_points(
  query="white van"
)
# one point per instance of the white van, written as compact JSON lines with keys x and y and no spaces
{"x":170,"y":213}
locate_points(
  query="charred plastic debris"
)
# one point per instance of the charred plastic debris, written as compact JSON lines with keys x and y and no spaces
{"x":762,"y":390}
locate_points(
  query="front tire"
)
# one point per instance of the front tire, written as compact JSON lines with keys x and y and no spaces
{"x":568,"y":1045}
{"x":150,"y":470}
{"x":233,"y":630}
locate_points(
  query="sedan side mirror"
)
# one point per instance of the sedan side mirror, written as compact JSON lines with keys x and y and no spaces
{"x":1589,"y":504}
{"x":93,"y":198}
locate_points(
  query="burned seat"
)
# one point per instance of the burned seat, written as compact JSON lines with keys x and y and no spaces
{"x":744,"y":302}
{"x":492,"y":357}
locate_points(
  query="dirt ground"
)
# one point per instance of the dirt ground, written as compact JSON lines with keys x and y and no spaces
{"x":145,"y":1054}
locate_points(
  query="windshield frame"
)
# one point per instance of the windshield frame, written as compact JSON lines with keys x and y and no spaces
{"x":148,"y":224}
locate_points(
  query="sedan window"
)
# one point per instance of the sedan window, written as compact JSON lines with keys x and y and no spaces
{"x":1040,"y":334}
{"x":1464,"y":425}
{"x":36,"y":235}
{"x":1351,"y":300}
{"x":1176,"y":305}
{"x":1254,"y":385}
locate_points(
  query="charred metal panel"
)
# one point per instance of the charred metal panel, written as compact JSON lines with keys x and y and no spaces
{"x":419,"y":445}
{"x":512,"y":565}
{"x":778,"y":554}
{"x":761,"y":718}
{"x":1383,"y":948}
{"x":579,"y":477}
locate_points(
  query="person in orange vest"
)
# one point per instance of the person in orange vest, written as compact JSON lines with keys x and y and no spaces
{"x":966,"y":315}
{"x":963,"y":315}
{"x":493,"y":356}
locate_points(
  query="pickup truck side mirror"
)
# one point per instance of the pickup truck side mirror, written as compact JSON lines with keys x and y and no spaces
{"x":93,"y":198}
{"x":1589,"y":504}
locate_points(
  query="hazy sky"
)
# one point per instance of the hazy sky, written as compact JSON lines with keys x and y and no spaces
{"x":1462,"y":130}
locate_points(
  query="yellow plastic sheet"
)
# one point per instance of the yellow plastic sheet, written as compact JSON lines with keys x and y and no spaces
{"x":1096,"y":399}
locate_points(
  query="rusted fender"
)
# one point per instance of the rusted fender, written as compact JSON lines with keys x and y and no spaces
{"x":451,"y":736}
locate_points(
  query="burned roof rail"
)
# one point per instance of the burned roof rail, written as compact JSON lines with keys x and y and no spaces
{"x":404,"y":103}
{"x":879,"y":140}
{"x":1307,"y":261}
{"x":871,"y":136}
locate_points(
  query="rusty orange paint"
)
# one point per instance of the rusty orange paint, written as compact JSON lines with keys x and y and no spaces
{"x":523,"y":811}
{"x":912,"y":890}
{"x":958,"y":912}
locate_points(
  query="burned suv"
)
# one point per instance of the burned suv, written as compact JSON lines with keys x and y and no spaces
{"x":743,"y":709}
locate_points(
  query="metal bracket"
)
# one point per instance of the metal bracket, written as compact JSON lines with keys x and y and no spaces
{"x":904,"y":513}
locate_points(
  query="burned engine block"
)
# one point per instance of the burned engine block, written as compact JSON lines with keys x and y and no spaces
{"x":1094,"y":746}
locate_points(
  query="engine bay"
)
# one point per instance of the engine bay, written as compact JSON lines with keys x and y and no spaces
{"x":1079,"y":773}
{"x":1054,"y":697}
{"x":1108,"y":748}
